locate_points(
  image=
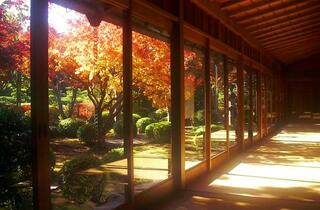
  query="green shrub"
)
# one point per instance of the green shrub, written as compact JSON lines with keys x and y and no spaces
{"x":143,"y":123}
{"x":69,"y":127}
{"x":199,"y":118}
{"x":53,"y":115}
{"x":87,"y":134}
{"x":54,"y":131}
{"x":76,"y":186}
{"x":52,"y":158}
{"x":113,"y":155}
{"x":216,"y":127}
{"x":164,"y":119}
{"x":158,"y":114}
{"x":162,"y":131}
{"x":118,"y":127}
{"x":15,"y":159}
{"x":149,"y":130}
{"x":136,"y":117}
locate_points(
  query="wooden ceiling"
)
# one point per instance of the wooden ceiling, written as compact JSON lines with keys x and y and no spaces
{"x":288,"y":29}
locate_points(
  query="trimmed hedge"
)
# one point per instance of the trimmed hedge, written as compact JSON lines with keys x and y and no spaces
{"x":118,"y":127}
{"x":69,"y":127}
{"x":149,"y":130}
{"x":143,"y":123}
{"x":158,"y":114}
{"x":87,"y":134}
{"x":162,"y":131}
{"x":113,"y":155}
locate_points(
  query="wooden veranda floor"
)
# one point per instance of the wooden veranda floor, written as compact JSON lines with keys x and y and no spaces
{"x":281,"y":174}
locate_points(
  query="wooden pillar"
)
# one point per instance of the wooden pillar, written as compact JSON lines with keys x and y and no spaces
{"x":177,"y":101}
{"x":39,"y":104}
{"x":207,"y":106}
{"x":127,"y":99}
{"x":259,"y":105}
{"x":240,"y":120}
{"x":250,"y":131}
{"x":226,"y":102}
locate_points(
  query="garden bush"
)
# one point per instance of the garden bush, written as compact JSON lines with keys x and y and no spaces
{"x":149,"y":130}
{"x":164,"y":119}
{"x":15,"y":159}
{"x":162,"y":131}
{"x":87,"y":134}
{"x":69,"y":127}
{"x":158,"y":114}
{"x":54,"y":131}
{"x":199,"y":118}
{"x":118,"y":127}
{"x":53,"y":115}
{"x":113,"y":155}
{"x":143,"y":123}
{"x":136,"y":117}
{"x":76,"y":186}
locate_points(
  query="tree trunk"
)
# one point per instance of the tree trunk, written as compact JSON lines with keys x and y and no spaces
{"x":57,"y":93}
{"x":73,"y":101}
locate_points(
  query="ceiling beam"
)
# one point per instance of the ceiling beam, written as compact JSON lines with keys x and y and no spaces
{"x":290,"y":29}
{"x":253,"y":5}
{"x":295,"y":36}
{"x":292,"y":33}
{"x":285,"y":23}
{"x":270,"y":10}
{"x":305,"y":40}
{"x":289,"y":48}
{"x":299,"y":55}
{"x":289,"y":12}
{"x":231,"y":3}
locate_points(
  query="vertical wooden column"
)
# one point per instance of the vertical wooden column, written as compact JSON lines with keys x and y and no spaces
{"x":259,"y":105}
{"x":250,"y":131}
{"x":207,"y":106}
{"x":177,"y":102}
{"x":226,"y":101}
{"x":39,"y":104}
{"x":127,"y":98}
{"x":240,"y":120}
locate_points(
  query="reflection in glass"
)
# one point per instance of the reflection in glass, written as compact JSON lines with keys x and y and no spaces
{"x":194,"y":105}
{"x":151,"y":111}
{"x":254,"y":104}
{"x":85,"y":111}
{"x":246,"y":104}
{"x":218,"y":130}
{"x":233,"y":102}
{"x":15,"y":106}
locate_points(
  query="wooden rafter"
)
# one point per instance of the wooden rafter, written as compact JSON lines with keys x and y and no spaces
{"x":290,"y":11}
{"x":252,"y":6}
{"x":306,"y":40}
{"x":228,"y":4}
{"x":269,"y":10}
{"x":293,"y":33}
{"x":295,"y":36}
{"x":285,"y":22}
{"x":290,"y":29}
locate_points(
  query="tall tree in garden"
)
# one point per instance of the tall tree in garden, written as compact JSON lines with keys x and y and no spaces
{"x":14,"y":45}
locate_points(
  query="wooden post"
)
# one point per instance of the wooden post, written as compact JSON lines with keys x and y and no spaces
{"x":240,"y":120}
{"x":127,"y":99}
{"x":259,"y":105}
{"x":226,"y":101}
{"x":207,"y":106}
{"x":250,"y":129}
{"x":39,"y":104}
{"x":177,"y":102}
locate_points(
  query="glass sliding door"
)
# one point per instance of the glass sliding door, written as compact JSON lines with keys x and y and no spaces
{"x":246,"y":102}
{"x":233,"y":102}
{"x":218,"y":129}
{"x":15,"y":106}
{"x":85,"y":111}
{"x":151,"y":110}
{"x":254,"y":104}
{"x":194,"y":105}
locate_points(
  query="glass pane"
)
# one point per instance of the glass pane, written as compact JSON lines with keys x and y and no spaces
{"x":233,"y":103}
{"x":246,"y":104}
{"x":263,"y":104}
{"x":269,"y":101}
{"x":85,"y":109}
{"x":194,"y":105}
{"x":218,"y":130}
{"x":15,"y":106}
{"x":151,"y":108}
{"x":254,"y":104}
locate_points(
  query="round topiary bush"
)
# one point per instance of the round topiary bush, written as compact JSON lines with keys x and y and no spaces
{"x":136,"y":117}
{"x":80,"y":187}
{"x":149,"y":130}
{"x":87,"y":134}
{"x":143,"y":123}
{"x":158,"y":114}
{"x":118,"y":127}
{"x":69,"y":127}
{"x":162,"y":131}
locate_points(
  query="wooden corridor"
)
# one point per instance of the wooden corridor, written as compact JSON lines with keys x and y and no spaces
{"x":283,"y":173}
